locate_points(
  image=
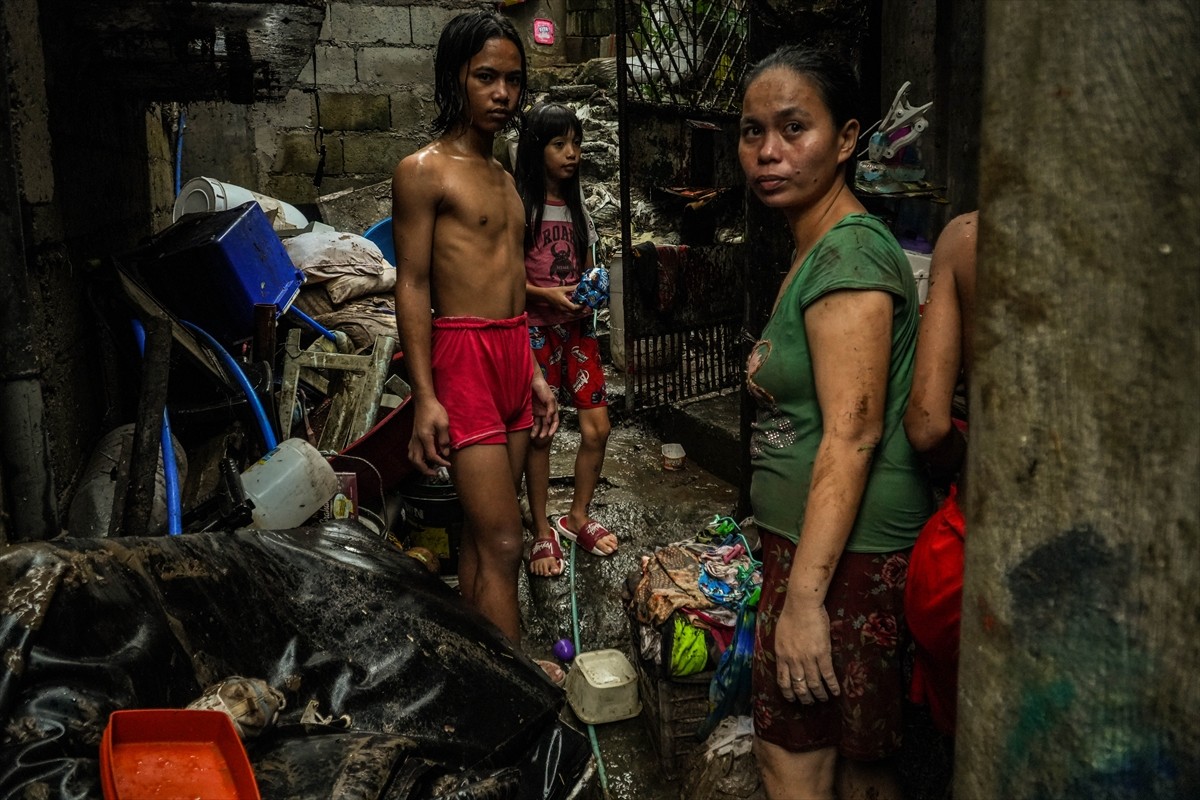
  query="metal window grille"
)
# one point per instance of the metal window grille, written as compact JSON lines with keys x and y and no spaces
{"x":689,"y":54}
{"x":679,"y":59}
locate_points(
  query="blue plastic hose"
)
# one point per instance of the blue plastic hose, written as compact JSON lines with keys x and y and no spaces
{"x":235,"y":369}
{"x":575,"y":635}
{"x":170,"y":468}
{"x":179,"y":152}
{"x":312,"y":323}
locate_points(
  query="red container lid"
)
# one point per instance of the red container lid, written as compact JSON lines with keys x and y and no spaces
{"x":174,"y":754}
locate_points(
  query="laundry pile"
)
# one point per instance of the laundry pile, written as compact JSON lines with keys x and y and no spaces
{"x":685,"y":604}
{"x":349,"y":285}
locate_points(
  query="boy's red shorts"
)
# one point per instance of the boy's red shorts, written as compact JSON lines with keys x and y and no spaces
{"x":482,"y":371}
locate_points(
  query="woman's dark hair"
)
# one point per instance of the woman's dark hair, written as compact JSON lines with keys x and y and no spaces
{"x":461,"y":39}
{"x":542,"y":124}
{"x":833,"y":75}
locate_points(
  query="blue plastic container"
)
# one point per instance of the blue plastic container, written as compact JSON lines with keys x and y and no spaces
{"x":212,"y":268}
{"x":381,"y":234}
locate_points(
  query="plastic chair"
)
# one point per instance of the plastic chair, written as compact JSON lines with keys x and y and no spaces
{"x":381,"y":234}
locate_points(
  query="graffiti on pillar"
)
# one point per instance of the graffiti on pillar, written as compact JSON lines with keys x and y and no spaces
{"x":1080,"y":690}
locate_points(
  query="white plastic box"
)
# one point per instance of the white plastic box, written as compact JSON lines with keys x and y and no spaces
{"x":602,"y":686}
{"x":920,"y":268}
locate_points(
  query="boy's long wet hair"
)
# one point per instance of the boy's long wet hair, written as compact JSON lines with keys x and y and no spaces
{"x":542,"y":124}
{"x":832,"y":74}
{"x":461,"y":39}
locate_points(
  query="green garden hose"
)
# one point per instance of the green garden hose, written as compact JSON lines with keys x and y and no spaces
{"x":575,"y":638}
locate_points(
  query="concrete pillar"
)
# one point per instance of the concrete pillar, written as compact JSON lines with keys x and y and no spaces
{"x":1079,"y":646}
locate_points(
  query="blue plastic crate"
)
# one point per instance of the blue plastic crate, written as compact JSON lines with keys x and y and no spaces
{"x":212,"y":268}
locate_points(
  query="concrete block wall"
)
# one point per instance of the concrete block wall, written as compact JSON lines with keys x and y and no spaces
{"x":366,"y":95}
{"x":590,"y":23}
{"x":369,"y":88}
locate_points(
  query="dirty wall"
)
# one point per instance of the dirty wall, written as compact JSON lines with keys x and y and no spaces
{"x":369,"y":89}
{"x":1079,"y":648}
{"x":92,"y":177}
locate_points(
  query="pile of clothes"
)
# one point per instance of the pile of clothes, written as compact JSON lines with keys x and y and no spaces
{"x":686,"y":603}
{"x":349,"y":285}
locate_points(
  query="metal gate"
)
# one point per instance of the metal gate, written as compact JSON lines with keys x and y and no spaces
{"x":685,"y":54}
{"x":680,"y":65}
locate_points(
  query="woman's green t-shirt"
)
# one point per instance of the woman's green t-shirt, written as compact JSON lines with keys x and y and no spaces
{"x":857,"y":253}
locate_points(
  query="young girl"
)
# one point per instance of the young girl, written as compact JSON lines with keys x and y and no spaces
{"x":558,"y":238}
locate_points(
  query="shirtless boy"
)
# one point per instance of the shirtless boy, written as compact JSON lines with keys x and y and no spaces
{"x":933,"y":594}
{"x":458,"y":227}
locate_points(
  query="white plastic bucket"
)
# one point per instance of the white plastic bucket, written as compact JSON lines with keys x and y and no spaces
{"x":208,"y":194}
{"x":603,"y":687}
{"x":616,"y":312}
{"x":288,"y":485}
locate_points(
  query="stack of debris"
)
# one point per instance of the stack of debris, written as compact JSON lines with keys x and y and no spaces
{"x":269,"y":352}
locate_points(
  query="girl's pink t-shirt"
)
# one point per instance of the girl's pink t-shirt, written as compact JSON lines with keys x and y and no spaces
{"x":552,"y":261}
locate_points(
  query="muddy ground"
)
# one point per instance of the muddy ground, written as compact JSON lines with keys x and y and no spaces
{"x":647,"y":507}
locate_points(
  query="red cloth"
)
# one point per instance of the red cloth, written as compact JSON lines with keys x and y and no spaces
{"x":482,"y":369}
{"x":660,"y":273}
{"x":933,"y":607}
{"x":672,"y":263}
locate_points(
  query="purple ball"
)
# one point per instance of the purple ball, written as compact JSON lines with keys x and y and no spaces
{"x":564,"y":650}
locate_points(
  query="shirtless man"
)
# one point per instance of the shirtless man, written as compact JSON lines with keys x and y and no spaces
{"x":933,"y":593}
{"x":944,"y":347}
{"x":458,"y":226}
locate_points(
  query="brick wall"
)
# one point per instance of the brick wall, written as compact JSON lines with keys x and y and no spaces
{"x":369,"y":86}
{"x":590,"y":23}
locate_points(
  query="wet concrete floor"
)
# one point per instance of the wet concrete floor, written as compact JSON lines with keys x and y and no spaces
{"x":646,"y":507}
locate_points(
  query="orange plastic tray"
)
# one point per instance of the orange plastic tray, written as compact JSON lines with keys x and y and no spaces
{"x":174,"y":754}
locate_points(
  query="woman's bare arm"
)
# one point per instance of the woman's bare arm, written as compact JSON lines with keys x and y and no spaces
{"x":849,"y":335}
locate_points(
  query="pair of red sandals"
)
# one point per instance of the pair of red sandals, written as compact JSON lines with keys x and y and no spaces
{"x":587,"y":537}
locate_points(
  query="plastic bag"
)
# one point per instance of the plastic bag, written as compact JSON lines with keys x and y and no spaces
{"x":729,"y":692}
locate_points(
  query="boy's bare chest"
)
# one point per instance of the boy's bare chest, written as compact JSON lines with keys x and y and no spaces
{"x":487,"y":208}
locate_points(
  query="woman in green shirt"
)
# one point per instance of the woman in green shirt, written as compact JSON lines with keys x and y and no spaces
{"x":836,"y":489}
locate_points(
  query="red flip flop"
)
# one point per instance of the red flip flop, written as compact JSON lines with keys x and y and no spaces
{"x":554,"y":673}
{"x":546,"y":548}
{"x":586,"y":537}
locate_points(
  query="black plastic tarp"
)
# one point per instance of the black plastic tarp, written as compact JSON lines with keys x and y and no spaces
{"x":439,"y":703}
